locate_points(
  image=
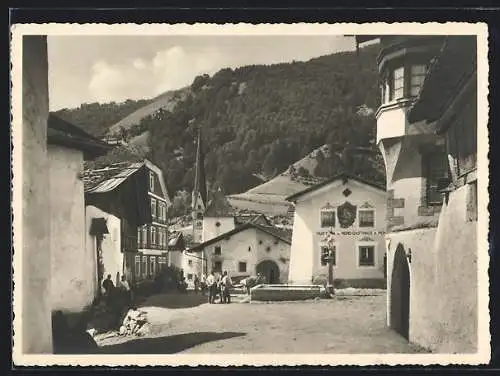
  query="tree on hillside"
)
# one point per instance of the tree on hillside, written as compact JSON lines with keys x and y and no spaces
{"x":266,"y":127}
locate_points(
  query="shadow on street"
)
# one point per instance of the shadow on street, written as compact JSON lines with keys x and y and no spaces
{"x":167,"y":345}
{"x":174,"y":301}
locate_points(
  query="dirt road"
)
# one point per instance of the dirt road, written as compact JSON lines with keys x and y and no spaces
{"x":188,"y":324}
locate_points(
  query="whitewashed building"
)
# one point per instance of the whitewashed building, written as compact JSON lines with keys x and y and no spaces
{"x":242,"y":245}
{"x":427,"y":131}
{"x":353,"y":212}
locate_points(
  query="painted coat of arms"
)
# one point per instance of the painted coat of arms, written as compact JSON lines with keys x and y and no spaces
{"x":346,"y":214}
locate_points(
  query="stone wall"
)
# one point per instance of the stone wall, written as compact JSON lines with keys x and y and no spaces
{"x":36,"y":312}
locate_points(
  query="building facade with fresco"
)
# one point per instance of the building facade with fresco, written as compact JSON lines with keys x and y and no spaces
{"x":350,"y":212}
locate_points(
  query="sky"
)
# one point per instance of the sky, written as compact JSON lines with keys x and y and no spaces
{"x":85,"y":69}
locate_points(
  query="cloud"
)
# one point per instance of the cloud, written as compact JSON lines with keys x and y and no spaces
{"x":115,"y":68}
{"x":169,"y":69}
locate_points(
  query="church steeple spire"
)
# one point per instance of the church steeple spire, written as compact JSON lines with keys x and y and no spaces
{"x":199,"y":195}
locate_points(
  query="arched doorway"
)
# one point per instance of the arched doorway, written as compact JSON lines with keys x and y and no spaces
{"x":269,"y":270}
{"x":400,"y":293}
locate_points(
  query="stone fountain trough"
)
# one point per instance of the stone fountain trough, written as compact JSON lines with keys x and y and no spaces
{"x":284,"y":292}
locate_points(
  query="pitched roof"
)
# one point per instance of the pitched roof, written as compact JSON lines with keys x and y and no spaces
{"x":219,"y":206}
{"x":342,"y":176}
{"x":62,"y":132}
{"x":176,"y":242}
{"x":108,"y":178}
{"x":271,"y":230}
{"x":448,"y":72}
{"x":242,"y":218}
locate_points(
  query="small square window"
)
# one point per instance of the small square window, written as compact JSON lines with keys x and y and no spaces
{"x":190,"y":262}
{"x":242,"y":267}
{"x":366,"y":218}
{"x":366,"y":256}
{"x":190,"y":277}
{"x":327,"y":218}
{"x":217,"y":250}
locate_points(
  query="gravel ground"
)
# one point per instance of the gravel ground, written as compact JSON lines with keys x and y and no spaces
{"x":187,"y":324}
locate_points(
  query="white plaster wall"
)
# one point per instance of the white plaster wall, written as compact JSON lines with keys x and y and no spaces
{"x":112,"y":256}
{"x":31,"y":197}
{"x":391,"y":123}
{"x":307,"y":234}
{"x":443,"y":271}
{"x":245,"y":246}
{"x":72,"y":265}
{"x":195,"y":268}
{"x":411,"y":190}
{"x":302,"y":249}
{"x":175,"y":258}
{"x":210,"y":230}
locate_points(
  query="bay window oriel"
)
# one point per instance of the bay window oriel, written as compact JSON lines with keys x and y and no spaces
{"x":403,"y":80}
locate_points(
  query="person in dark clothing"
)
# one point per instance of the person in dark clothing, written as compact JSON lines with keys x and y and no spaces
{"x":108,"y":285}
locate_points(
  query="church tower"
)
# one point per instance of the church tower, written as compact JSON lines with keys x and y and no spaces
{"x":199,"y":194}
{"x":218,"y":217}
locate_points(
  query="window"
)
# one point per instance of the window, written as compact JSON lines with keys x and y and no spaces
{"x":199,"y":215}
{"x":472,"y":201}
{"x":366,"y":255}
{"x":151,"y":181}
{"x":398,"y":81}
{"x":217,"y":266}
{"x":163,"y":211}
{"x":137,"y":266}
{"x":417,"y":78}
{"x":152,"y":263}
{"x":385,"y":89}
{"x":144,"y":269}
{"x":190,"y":277}
{"x":436,"y":168}
{"x":153,"y":207}
{"x":366,"y":218}
{"x":325,"y":252}
{"x":327,"y":218}
{"x":153,"y":235}
{"x":144,"y":236}
{"x":190,"y":262}
{"x":242,"y":267}
{"x":217,"y":250}
{"x":161,"y":263}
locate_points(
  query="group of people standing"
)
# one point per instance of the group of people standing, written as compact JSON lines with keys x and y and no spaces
{"x":217,"y":284}
{"x":123,"y":289}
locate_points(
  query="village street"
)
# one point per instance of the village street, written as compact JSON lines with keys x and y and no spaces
{"x":186,"y":323}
